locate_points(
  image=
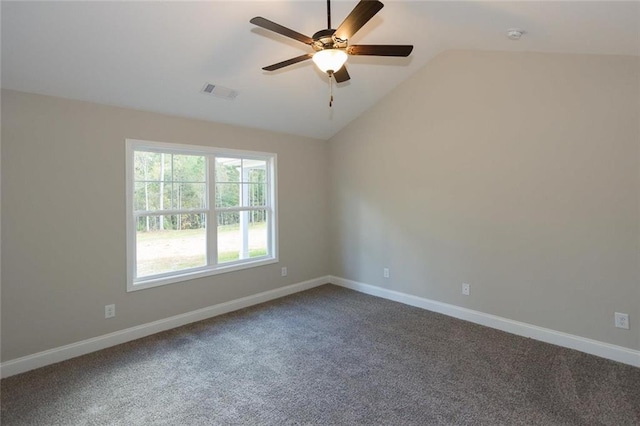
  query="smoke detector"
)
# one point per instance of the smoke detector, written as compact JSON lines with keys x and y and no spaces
{"x":219,"y":91}
{"x":514,"y":33}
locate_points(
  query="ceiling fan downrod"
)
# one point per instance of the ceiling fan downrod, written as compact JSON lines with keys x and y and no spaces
{"x":330,"y":73}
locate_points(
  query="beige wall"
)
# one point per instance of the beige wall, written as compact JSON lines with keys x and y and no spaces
{"x":63,"y":234}
{"x":516,"y":173}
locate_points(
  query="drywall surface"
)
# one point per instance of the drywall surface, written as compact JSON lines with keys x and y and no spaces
{"x":517,"y":173}
{"x":63,"y":219}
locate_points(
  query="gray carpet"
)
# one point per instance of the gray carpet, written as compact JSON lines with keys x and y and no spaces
{"x":327,"y":356}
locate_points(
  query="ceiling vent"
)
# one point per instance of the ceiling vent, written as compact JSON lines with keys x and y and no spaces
{"x":219,"y":91}
{"x":515,"y":33}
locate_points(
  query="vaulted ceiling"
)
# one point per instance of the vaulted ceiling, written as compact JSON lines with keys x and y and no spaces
{"x":157,"y":56}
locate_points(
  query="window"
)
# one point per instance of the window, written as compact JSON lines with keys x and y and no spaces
{"x":195,"y":211}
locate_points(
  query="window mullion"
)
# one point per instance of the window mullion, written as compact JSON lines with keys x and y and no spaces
{"x":270,"y":207}
{"x":242,"y":209}
{"x":142,"y":213}
{"x":212,"y":216}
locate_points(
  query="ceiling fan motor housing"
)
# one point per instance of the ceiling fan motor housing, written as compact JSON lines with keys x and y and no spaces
{"x":325,"y":39}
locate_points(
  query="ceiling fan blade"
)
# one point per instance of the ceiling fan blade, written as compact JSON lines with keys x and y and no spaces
{"x":380,"y":49}
{"x":342,"y":74}
{"x":359,"y":16}
{"x":288,"y":62}
{"x":277,"y":28}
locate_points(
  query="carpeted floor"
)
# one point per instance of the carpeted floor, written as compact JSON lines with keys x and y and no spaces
{"x":327,"y":356}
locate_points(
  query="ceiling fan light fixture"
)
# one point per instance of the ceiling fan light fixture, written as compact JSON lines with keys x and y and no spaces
{"x":330,"y":60}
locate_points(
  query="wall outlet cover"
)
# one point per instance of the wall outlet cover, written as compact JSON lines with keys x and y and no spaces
{"x":621,"y":320}
{"x":109,"y":311}
{"x":466,"y":289}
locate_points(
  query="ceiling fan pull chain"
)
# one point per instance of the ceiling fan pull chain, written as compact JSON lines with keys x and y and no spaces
{"x":330,"y":90}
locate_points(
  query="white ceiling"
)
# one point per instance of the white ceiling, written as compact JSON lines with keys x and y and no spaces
{"x":157,"y":56}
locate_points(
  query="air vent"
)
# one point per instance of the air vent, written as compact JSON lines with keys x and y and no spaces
{"x":219,"y":91}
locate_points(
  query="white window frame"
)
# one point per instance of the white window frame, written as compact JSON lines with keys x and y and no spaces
{"x":212,"y":267}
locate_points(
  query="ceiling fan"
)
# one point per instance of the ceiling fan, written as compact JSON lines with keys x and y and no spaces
{"x":332,"y":46}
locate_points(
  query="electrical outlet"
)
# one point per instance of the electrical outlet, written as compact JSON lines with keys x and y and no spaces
{"x":283,"y":271}
{"x":621,"y":320}
{"x":466,"y":289}
{"x":109,"y":311}
{"x":385,"y":272}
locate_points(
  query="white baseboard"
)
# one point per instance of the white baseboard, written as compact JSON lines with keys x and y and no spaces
{"x":51,"y":356}
{"x":593,"y":347}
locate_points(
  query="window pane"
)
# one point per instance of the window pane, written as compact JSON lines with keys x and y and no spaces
{"x":168,"y":202}
{"x":229,"y":242}
{"x":228,"y":169}
{"x":180,"y":178}
{"x":147,"y":165}
{"x":170,"y":243}
{"x":255,"y":194}
{"x":255,"y":171}
{"x":147,"y":196}
{"x":242,"y":235}
{"x":258,"y":233}
{"x":228,"y":195}
{"x":190,"y":195}
{"x":189,"y":168}
{"x":140,"y":196}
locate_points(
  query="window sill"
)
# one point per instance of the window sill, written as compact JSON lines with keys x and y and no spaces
{"x":195,"y":274}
